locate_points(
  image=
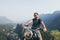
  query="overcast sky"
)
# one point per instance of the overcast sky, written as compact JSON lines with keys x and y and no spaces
{"x":19,"y":10}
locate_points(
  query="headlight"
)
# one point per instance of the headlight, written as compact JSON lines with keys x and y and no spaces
{"x":28,"y":34}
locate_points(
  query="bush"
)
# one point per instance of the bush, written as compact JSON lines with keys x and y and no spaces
{"x":55,"y":34}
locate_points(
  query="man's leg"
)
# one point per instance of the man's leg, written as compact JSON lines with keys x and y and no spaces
{"x":40,"y":38}
{"x":39,"y":35}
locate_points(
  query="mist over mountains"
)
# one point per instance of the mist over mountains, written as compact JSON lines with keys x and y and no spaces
{"x":5,"y":20}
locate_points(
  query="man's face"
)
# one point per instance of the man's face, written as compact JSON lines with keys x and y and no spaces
{"x":36,"y":15}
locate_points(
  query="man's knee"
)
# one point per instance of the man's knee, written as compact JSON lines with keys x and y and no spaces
{"x":40,"y":37}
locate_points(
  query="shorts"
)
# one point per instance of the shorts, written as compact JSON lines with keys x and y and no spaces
{"x":38,"y":33}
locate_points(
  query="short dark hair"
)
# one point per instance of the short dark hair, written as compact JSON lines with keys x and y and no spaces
{"x":36,"y":13}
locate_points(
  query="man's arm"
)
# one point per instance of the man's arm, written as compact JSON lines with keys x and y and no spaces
{"x":44,"y":27}
{"x":28,"y":22}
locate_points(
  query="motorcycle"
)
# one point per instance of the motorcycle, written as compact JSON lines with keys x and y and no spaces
{"x":30,"y":34}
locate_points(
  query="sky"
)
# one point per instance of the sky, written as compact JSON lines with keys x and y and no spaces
{"x":19,"y":10}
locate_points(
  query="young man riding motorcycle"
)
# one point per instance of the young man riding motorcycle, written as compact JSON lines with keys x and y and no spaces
{"x":37,"y":22}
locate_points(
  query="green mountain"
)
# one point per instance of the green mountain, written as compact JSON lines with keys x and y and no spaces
{"x":52,"y":21}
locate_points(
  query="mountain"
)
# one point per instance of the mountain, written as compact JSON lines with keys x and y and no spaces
{"x":6,"y":24}
{"x":52,"y":21}
{"x":4,"y":20}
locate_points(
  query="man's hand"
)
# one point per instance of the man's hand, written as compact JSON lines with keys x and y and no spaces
{"x":25,"y":27}
{"x":45,"y":30}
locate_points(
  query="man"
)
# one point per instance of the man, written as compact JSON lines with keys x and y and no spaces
{"x":36,"y":24}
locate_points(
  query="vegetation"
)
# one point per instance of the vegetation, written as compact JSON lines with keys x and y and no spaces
{"x":50,"y":35}
{"x":4,"y":29}
{"x":55,"y":34}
